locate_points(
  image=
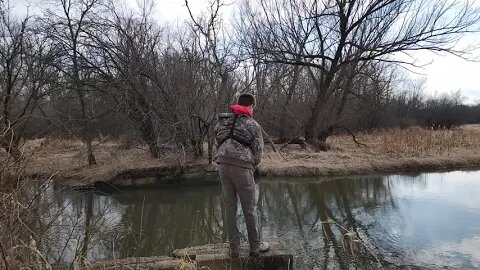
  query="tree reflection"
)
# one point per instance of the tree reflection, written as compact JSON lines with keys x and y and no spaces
{"x":165,"y":220}
{"x":323,"y":223}
{"x":322,"y":212}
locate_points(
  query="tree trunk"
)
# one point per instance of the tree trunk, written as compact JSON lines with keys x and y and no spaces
{"x":91,"y":156}
{"x":210,"y":148}
{"x":323,"y":87}
{"x":311,"y":127}
{"x":81,"y":97}
{"x":7,"y":142}
{"x":197,"y":145}
{"x":286,"y":105}
{"x":222,"y":95}
{"x":148,"y":135}
{"x":86,"y":130}
{"x":321,"y":144}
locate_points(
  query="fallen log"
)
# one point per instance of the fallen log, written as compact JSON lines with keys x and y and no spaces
{"x":211,"y":256}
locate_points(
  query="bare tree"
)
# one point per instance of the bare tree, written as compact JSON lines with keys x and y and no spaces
{"x":129,"y":50}
{"x":12,"y":52}
{"x":25,"y":71}
{"x":68,"y":26}
{"x":218,"y":62}
{"x":329,"y":37}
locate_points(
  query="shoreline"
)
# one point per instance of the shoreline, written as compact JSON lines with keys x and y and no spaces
{"x":202,"y":175}
{"x":290,"y":171}
{"x":388,"y":151}
{"x":420,"y":166}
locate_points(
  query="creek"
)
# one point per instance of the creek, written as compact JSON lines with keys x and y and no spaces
{"x":425,"y":221}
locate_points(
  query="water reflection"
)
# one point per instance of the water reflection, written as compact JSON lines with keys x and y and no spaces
{"x":314,"y":218}
{"x":162,"y":220}
{"x":427,"y":220}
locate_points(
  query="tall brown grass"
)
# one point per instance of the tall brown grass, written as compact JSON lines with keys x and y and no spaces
{"x":414,"y":141}
{"x":18,"y":249}
{"x":385,"y":151}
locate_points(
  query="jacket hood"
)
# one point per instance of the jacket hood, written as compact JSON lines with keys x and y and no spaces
{"x":242,"y":110}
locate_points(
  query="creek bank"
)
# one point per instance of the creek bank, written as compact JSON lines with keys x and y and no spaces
{"x":165,"y":176}
{"x":400,"y":166}
{"x":204,"y":175}
{"x":385,"y":152}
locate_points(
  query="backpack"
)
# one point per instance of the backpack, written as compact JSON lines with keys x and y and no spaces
{"x":233,"y":131}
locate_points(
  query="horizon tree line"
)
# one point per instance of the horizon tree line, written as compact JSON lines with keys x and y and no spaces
{"x":92,"y":69}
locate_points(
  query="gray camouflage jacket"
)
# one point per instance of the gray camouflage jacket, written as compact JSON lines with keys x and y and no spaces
{"x":232,"y":151}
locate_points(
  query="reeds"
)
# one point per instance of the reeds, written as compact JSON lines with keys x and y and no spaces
{"x":18,"y":247}
{"x":386,"y":151}
{"x":413,"y":141}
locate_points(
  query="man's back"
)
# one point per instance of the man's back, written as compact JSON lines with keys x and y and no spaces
{"x":245,"y":144}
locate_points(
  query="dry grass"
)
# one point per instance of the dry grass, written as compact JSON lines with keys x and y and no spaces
{"x":388,"y":150}
{"x":28,"y":214}
{"x":417,"y":142}
{"x":188,"y":264}
{"x":67,"y":159}
{"x":18,"y":249}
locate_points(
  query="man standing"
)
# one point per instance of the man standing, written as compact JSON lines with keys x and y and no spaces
{"x":239,"y":144}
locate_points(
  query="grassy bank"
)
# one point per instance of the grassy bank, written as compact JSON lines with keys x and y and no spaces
{"x":389,"y":150}
{"x":386,"y":151}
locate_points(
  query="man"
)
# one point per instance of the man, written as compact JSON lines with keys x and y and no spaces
{"x":239,"y":144}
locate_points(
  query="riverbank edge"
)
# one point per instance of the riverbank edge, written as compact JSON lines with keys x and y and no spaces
{"x":401,"y":166}
{"x":204,"y":174}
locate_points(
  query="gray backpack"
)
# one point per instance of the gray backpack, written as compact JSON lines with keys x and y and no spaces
{"x":233,"y":131}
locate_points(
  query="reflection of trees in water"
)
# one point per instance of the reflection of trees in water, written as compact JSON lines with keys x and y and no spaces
{"x":73,"y":223}
{"x":317,"y":208}
{"x":307,"y":217}
{"x":418,"y":181}
{"x":82,"y":225}
{"x":162,"y":221}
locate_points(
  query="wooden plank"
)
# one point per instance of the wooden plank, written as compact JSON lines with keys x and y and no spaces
{"x":211,"y":256}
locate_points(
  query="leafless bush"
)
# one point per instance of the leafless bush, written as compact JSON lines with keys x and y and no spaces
{"x":130,"y":140}
{"x":17,"y":241}
{"x":36,"y":230}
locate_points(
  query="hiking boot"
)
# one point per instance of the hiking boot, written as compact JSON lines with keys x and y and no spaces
{"x":264,"y":247}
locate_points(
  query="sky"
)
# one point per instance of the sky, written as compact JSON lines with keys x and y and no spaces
{"x":443,"y":73}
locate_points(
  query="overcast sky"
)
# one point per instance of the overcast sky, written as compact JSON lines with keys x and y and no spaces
{"x":443,"y":73}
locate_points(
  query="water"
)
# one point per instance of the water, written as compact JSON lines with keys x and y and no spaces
{"x":424,"y":221}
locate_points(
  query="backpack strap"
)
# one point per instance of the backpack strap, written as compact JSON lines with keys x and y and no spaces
{"x":230,"y":134}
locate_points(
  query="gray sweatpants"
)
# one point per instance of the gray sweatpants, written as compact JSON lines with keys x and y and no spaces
{"x":239,"y":181}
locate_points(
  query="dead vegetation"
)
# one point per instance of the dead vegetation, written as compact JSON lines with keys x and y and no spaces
{"x":66,"y":159}
{"x":18,"y":246}
{"x":386,"y":150}
{"x":32,"y":223}
{"x":419,"y":142}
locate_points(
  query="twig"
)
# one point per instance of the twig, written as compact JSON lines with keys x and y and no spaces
{"x":272,"y":144}
{"x":4,"y":256}
{"x":332,"y":221}
{"x":295,"y":136}
{"x":351,"y":134}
